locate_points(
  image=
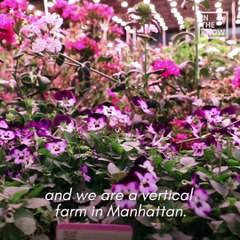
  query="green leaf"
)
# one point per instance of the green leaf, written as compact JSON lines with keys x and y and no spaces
{"x":117,"y":147}
{"x":37,"y":203}
{"x":60,"y":60}
{"x":205,"y":4}
{"x":181,"y":35}
{"x":15,"y":193}
{"x":35,"y":192}
{"x":105,"y":59}
{"x":157,"y":161}
{"x":169,"y":165}
{"x":204,"y":72}
{"x":11,"y":232}
{"x":26,"y":224}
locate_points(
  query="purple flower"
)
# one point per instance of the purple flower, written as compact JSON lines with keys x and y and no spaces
{"x":56,"y":147}
{"x":106,"y":108}
{"x":43,"y":128}
{"x":171,"y":69}
{"x":126,"y":187}
{"x":64,"y":122}
{"x":22,"y":154}
{"x":142,"y":104}
{"x":26,"y":137}
{"x":147,"y":180}
{"x":144,"y":162}
{"x":84,"y":174}
{"x":3,"y":123}
{"x":199,"y":203}
{"x":65,"y":98}
{"x":199,"y":149}
{"x":96,"y":121}
{"x":6,"y":134}
{"x":196,"y":124}
{"x":236,"y":80}
{"x":212,"y":114}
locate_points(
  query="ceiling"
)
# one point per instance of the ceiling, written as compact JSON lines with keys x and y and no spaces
{"x":163,"y":8}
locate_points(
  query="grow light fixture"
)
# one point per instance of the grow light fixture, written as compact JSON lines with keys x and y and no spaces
{"x":176,"y":13}
{"x":124,"y":4}
{"x":219,"y":11}
{"x":238,"y":16}
{"x":50,"y":4}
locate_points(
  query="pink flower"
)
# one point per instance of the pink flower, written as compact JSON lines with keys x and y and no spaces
{"x":6,"y":29}
{"x":199,"y":149}
{"x":126,"y":188}
{"x":142,"y":104}
{"x":171,"y":69}
{"x":53,"y":45}
{"x":96,"y":121}
{"x":117,"y":30}
{"x":199,"y":203}
{"x":14,"y":4}
{"x":84,"y":43}
{"x":22,"y":154}
{"x":236,"y":80}
{"x":56,"y":147}
{"x":84,"y":174}
{"x":39,"y":45}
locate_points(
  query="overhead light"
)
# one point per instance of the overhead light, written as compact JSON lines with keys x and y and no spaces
{"x":130,"y":10}
{"x":127,"y":28}
{"x":177,"y":14}
{"x":219,"y":18}
{"x":96,"y":1}
{"x":165,"y":28}
{"x":219,"y":10}
{"x":152,"y":7}
{"x":38,"y":13}
{"x":174,"y":10}
{"x":182,"y":26}
{"x":114,"y":18}
{"x":238,"y":21}
{"x":219,"y":23}
{"x":30,"y":7}
{"x":124,"y":4}
{"x":119,"y":20}
{"x":173,"y":4}
{"x":123,"y":23}
{"x":218,"y":4}
{"x":147,"y":1}
{"x":50,"y":4}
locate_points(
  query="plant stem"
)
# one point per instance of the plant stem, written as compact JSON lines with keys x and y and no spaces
{"x":145,"y":77}
{"x":17,"y":79}
{"x":92,"y":69}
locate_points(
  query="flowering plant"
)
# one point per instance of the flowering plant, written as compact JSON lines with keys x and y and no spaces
{"x":113,"y":121}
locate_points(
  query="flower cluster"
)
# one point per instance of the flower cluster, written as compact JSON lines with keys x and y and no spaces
{"x":199,"y":203}
{"x":169,"y":68}
{"x":14,"y":5}
{"x":7,"y":34}
{"x":236,"y":80}
{"x":83,"y":43}
{"x":97,"y":11}
{"x":43,"y":35}
{"x":67,"y":10}
{"x":140,"y":179}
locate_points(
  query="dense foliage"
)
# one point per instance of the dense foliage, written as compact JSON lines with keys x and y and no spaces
{"x":82,"y":109}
